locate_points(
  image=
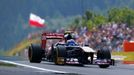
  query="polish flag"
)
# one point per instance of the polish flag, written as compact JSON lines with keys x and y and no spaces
{"x":36,"y":21}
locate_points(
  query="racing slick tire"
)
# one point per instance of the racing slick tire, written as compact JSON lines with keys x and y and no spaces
{"x":60,"y":55}
{"x":35,"y":54}
{"x":104,"y":55}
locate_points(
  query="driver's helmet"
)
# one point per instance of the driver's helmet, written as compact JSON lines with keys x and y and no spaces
{"x":68,"y":35}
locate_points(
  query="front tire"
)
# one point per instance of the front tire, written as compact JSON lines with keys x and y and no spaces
{"x":104,"y":55}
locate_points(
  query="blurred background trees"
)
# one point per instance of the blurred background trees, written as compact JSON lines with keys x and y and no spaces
{"x":117,"y":15}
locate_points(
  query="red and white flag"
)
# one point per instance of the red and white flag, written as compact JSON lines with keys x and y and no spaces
{"x":36,"y":21}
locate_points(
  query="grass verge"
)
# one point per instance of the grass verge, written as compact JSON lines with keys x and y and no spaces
{"x":7,"y":64}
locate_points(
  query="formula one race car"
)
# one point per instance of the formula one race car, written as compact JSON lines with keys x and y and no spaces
{"x":62,"y":53}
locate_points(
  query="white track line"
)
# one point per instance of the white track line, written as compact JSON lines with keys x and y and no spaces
{"x":34,"y":67}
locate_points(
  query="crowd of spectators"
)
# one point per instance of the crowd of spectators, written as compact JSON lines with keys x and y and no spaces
{"x":110,"y":36}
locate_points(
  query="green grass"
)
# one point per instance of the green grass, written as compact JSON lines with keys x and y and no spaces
{"x":129,"y":55}
{"x":7,"y":64}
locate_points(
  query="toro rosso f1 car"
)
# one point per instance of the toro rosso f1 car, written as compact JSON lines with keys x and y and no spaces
{"x":62,"y":53}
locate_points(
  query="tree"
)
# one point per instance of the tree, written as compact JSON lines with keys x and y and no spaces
{"x":89,"y":15}
{"x":115,"y":15}
{"x":99,"y":19}
{"x":121,"y":15}
{"x":90,"y":24}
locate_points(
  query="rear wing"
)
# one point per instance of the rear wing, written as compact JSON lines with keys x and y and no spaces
{"x":52,"y":36}
{"x":46,"y":36}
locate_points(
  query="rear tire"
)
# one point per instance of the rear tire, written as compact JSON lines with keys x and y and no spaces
{"x":35,"y":54}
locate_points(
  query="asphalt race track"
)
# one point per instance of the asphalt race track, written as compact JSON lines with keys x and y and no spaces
{"x":48,"y":68}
